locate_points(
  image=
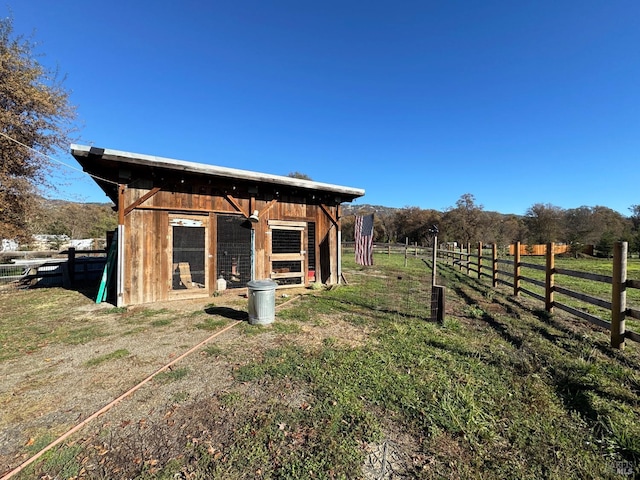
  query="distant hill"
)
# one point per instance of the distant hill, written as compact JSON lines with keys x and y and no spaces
{"x":350,"y":209}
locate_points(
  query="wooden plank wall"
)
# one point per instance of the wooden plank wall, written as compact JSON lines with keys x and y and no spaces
{"x":146,"y":272}
{"x":147,"y":264}
{"x":538,"y":249}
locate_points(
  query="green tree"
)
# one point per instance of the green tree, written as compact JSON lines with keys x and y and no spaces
{"x":301,"y":176}
{"x":635,"y":217}
{"x":413,"y":223}
{"x":605,"y":244}
{"x":544,"y":223}
{"x":35,"y":116}
{"x":465,"y":223}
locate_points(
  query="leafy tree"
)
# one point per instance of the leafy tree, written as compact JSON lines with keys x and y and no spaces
{"x":414,"y":223}
{"x":466,"y":222}
{"x":605,"y":245}
{"x":347,"y":225}
{"x":635,"y":217}
{"x":589,"y":225}
{"x":301,"y":176}
{"x":34,"y":111}
{"x":387,"y":223}
{"x":544,"y":223}
{"x":608,"y":220}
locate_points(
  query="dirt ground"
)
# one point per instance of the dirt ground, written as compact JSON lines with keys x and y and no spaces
{"x":52,"y":389}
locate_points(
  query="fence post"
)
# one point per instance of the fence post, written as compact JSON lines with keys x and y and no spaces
{"x":619,"y":294}
{"x":516,"y":269}
{"x":494,"y":265}
{"x":71,"y":264}
{"x":549,"y":278}
{"x":479,"y":260}
{"x":406,"y":249}
{"x":389,"y":249}
{"x":468,"y":257}
{"x":434,"y":259}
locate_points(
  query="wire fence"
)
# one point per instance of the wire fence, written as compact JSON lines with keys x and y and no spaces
{"x":76,"y":268}
{"x":397,"y":284}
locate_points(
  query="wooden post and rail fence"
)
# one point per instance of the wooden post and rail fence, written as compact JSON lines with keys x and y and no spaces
{"x":475,"y":263}
{"x":508,"y":272}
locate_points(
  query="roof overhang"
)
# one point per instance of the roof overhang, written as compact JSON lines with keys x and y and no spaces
{"x":104,"y":164}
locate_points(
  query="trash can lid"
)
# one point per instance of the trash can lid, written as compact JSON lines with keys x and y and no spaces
{"x":262,"y":284}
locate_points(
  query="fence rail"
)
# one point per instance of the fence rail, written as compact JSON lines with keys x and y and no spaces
{"x":474,"y":262}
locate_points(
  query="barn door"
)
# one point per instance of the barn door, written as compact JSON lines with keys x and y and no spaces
{"x":188,"y":255}
{"x":288,"y":258}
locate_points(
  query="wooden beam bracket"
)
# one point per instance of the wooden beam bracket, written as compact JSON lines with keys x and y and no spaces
{"x":141,"y":200}
{"x":268,"y":207}
{"x":236,"y":205}
{"x":326,"y":210}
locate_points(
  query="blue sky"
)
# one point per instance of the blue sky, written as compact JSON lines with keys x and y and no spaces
{"x":417,"y":102}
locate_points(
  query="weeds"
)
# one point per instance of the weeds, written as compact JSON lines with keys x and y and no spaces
{"x":211,"y":324}
{"x":171,"y":375}
{"x":163,"y":322}
{"x":212,"y":350}
{"x":120,"y":353}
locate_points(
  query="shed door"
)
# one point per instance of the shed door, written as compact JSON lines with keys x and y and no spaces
{"x":188,"y":255}
{"x":288,"y":259}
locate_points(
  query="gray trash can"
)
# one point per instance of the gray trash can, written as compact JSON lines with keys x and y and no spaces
{"x":262,"y":301}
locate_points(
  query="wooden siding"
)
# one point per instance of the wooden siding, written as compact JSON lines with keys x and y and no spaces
{"x":147,"y":276}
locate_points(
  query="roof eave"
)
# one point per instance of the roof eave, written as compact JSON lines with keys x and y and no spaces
{"x":199,"y":168}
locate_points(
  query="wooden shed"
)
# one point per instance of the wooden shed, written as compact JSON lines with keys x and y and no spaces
{"x":186,"y":229}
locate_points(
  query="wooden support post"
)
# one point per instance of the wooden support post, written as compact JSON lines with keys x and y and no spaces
{"x":121,"y":207}
{"x":619,"y":294}
{"x":406,"y":249}
{"x":120,"y":259}
{"x":468,"y":258}
{"x":549,"y":278}
{"x":71,"y":265}
{"x":516,"y":269}
{"x":388,"y":249}
{"x":437,"y":303}
{"x":479,"y":260}
{"x":494,"y":265}
{"x":434,"y":260}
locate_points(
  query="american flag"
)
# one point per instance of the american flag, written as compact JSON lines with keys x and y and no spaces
{"x":364,"y":239}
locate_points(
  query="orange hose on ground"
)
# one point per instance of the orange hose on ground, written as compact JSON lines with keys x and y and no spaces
{"x":110,"y":405}
{"x":107,"y":407}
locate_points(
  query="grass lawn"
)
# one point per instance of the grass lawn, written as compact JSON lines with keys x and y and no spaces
{"x":501,"y":390}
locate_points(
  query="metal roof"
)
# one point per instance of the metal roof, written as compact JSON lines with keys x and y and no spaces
{"x":87,"y":155}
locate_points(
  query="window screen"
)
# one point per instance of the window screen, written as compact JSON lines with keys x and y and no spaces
{"x":188,"y":258}
{"x":234,"y":250}
{"x":286,"y":241}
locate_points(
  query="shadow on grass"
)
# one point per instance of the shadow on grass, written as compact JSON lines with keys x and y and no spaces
{"x":227,"y":312}
{"x":379,"y":311}
{"x":499,"y":327}
{"x":578,"y":386}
